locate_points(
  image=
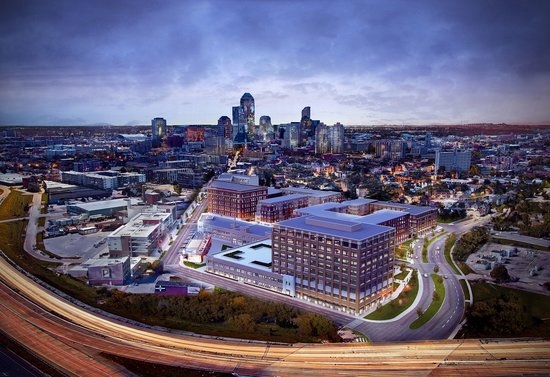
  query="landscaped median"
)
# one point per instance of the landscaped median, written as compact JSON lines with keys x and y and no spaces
{"x":399,"y":304}
{"x":427,"y":244}
{"x":437,"y":299}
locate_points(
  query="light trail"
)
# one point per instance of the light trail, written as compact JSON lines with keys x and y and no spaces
{"x":79,"y":333}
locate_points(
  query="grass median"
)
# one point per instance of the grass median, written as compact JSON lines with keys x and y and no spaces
{"x":437,"y":299}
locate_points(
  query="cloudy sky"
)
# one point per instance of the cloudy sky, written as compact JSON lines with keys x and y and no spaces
{"x":353,"y":61}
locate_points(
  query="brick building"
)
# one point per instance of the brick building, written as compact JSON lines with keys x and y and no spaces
{"x":234,"y":199}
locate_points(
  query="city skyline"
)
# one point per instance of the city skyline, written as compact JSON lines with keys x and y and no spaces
{"x":357,"y":62}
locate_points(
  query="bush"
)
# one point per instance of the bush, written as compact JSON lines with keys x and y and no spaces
{"x":500,"y":274}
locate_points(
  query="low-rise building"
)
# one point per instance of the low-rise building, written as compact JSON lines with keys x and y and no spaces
{"x":250,"y":264}
{"x":142,"y":235}
{"x":108,"y":271}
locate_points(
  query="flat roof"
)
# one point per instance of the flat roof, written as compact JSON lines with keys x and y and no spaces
{"x":413,"y":210}
{"x":232,"y":223}
{"x":11,"y":178}
{"x":381,"y":216}
{"x":226,"y":185}
{"x":255,"y":255}
{"x":337,"y":227}
{"x":136,"y":226}
{"x":101,"y":262}
{"x":104,"y":204}
{"x":284,"y":198}
{"x":360,"y":201}
{"x":310,"y":192}
{"x":54,"y":184}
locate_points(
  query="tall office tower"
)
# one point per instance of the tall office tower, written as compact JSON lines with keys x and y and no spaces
{"x":235,"y":117}
{"x":346,"y":265}
{"x":329,"y":139}
{"x":428,"y":140}
{"x":158,"y":130}
{"x":266,"y":128}
{"x":291,"y":135}
{"x":337,"y":138}
{"x":322,"y":139}
{"x":225,"y":123}
{"x":455,"y":160}
{"x":246,"y":114}
{"x":306,"y":125}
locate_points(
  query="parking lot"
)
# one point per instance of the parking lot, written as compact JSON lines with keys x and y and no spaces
{"x":78,"y":245}
{"x":529,"y":266}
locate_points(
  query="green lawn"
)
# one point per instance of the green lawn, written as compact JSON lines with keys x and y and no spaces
{"x":194,"y":265}
{"x":402,"y":274}
{"x":434,"y":306}
{"x":449,"y":243}
{"x":15,"y":205}
{"x":400,"y":304}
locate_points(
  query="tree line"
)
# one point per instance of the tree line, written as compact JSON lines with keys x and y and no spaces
{"x":238,"y":314}
{"x":471,"y":242}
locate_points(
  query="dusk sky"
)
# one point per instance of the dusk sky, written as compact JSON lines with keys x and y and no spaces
{"x":365,"y":62}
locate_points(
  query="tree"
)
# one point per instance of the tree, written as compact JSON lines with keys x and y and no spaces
{"x":500,"y":274}
{"x":176,"y":187}
{"x":243,"y":322}
{"x":420,"y":311}
{"x":436,"y":269}
{"x":157,"y":266}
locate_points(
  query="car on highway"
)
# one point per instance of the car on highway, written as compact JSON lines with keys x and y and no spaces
{"x":425,"y":275}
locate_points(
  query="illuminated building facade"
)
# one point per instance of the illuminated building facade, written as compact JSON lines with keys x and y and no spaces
{"x":246,"y":113}
{"x":343,"y":264}
{"x":266,"y":128}
{"x":455,"y":160}
{"x":291,"y":135}
{"x":329,"y":139}
{"x":234,"y":199}
{"x":280,"y":208}
{"x":394,"y":149}
{"x":158,"y":130}
{"x":194,"y":134}
{"x":225,"y":123}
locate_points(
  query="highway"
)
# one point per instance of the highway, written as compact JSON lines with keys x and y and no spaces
{"x":71,"y":338}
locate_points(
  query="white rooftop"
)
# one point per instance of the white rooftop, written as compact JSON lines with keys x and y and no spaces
{"x":255,"y":255}
{"x":105,"y":204}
